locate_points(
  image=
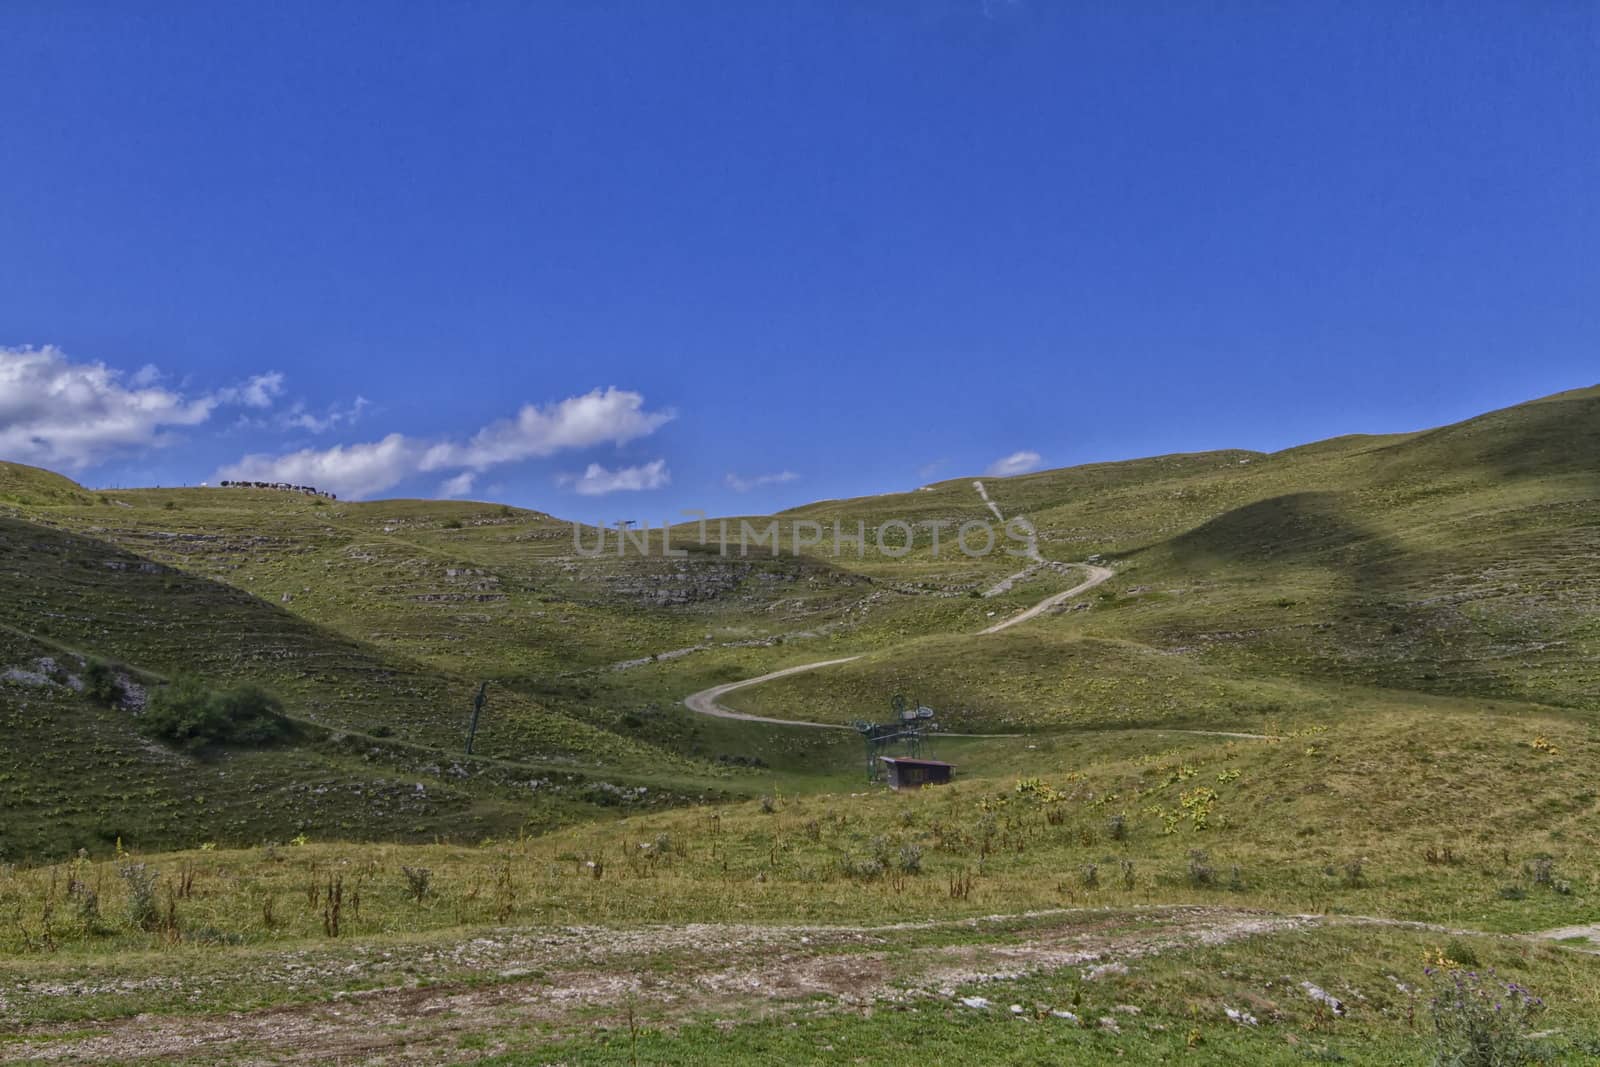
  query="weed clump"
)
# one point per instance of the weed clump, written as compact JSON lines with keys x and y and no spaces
{"x":1354,"y":874}
{"x":865,"y":869}
{"x":1463,"y":953}
{"x":418,"y":881}
{"x":1480,"y":1020}
{"x":1541,"y":871}
{"x":143,"y":910}
{"x":86,"y":902}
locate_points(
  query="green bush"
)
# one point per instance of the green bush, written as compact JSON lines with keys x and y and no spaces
{"x":190,"y":714}
{"x":100,"y":683}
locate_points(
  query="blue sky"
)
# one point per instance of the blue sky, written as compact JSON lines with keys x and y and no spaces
{"x":597,"y":258}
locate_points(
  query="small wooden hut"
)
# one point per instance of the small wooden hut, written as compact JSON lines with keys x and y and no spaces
{"x":907,"y":773}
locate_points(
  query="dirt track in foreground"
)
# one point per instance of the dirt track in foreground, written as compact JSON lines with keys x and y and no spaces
{"x":562,"y":978}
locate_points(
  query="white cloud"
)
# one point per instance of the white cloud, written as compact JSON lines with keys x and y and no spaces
{"x":458,"y":486}
{"x":612,"y":415}
{"x":298,"y":418}
{"x":744,"y":485}
{"x":598,"y":481}
{"x":256,"y":392}
{"x":1016,"y":463}
{"x":350,"y":470}
{"x":57,"y":413}
{"x":602,"y":416}
{"x":149,"y":374}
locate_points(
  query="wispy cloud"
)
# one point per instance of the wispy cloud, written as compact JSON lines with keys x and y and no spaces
{"x":59,"y":413}
{"x":1016,"y":463}
{"x":602,"y":416}
{"x":299,"y":417}
{"x":147,"y":375}
{"x":744,"y":485}
{"x":458,"y":486}
{"x":257,"y":392}
{"x":598,"y":481}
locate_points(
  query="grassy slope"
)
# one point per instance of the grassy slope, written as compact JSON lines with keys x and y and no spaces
{"x":1460,"y":561}
{"x":84,"y":594}
{"x":1414,"y":613}
{"x":1343,"y":819}
{"x":75,"y":774}
{"x":31,"y":486}
{"x":78,"y":775}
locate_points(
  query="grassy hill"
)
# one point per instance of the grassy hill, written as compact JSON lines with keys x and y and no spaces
{"x":1464,"y":560}
{"x":1327,"y":692}
{"x":1458,"y":561}
{"x":77,"y":774}
{"x":33,"y":487}
{"x":386,"y":727}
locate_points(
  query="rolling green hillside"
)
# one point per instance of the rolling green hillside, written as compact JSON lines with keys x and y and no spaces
{"x":1249,"y":588}
{"x":77,"y":774}
{"x":1325,"y":694}
{"x":382,"y":758}
{"x":1464,"y":560}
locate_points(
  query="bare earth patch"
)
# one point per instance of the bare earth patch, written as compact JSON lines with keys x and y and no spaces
{"x":560,"y":979}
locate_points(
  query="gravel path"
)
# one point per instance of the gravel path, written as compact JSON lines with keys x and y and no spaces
{"x":705,"y":702}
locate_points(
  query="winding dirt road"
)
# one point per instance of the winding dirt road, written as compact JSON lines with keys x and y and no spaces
{"x":1096,"y":576}
{"x":705,"y":701}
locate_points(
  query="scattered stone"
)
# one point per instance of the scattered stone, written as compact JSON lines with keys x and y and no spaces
{"x":977,"y":1003}
{"x":1322,"y":996}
